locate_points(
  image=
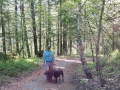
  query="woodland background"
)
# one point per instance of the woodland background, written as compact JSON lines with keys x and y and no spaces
{"x":71,"y":27}
{"x":28,"y":26}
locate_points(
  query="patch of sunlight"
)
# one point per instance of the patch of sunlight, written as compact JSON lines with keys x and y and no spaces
{"x":29,"y":60}
{"x":115,"y":53}
{"x":60,"y":67}
{"x":76,"y":61}
{"x":16,"y":60}
{"x":90,"y":62}
{"x":69,"y":60}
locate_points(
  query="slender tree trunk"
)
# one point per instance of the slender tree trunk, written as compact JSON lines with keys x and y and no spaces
{"x":97,"y":44}
{"x":9,"y":37}
{"x":34,"y":27}
{"x":25,"y":32}
{"x":61,"y":51}
{"x":81,"y":48}
{"x":113,"y":44}
{"x":21,"y":51}
{"x":3,"y":33}
{"x":16,"y":28}
{"x":40,"y":26}
{"x":49,"y":24}
{"x":58,"y":35}
{"x":65,"y":39}
{"x":70,"y":46}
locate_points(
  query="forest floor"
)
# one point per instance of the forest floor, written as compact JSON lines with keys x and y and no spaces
{"x":37,"y":80}
{"x":74,"y":79}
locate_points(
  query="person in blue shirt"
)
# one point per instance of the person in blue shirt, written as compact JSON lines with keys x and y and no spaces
{"x":48,"y":59}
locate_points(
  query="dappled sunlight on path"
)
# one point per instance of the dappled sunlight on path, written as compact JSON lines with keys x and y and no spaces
{"x":37,"y":80}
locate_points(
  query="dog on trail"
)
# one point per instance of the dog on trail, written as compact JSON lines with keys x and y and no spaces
{"x":55,"y":72}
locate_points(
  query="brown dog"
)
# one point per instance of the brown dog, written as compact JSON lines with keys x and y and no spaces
{"x":57,"y":73}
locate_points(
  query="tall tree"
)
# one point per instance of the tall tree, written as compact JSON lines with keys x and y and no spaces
{"x":48,"y":37}
{"x":81,"y":47}
{"x":3,"y":30}
{"x":16,"y":28}
{"x":40,"y":25}
{"x":34,"y":27}
{"x":58,"y":35}
{"x":61,"y":45}
{"x":25,"y":32}
{"x":98,"y":42}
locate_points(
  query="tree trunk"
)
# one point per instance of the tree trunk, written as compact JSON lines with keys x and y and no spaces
{"x":61,"y":51}
{"x":98,"y":42}
{"x":3,"y":33}
{"x":9,"y":36}
{"x":25,"y":32}
{"x":65,"y":39}
{"x":113,"y":40}
{"x":49,"y":24}
{"x":58,"y":35}
{"x":70,"y":46}
{"x":34,"y":27}
{"x":16,"y":28}
{"x":81,"y":48}
{"x":21,"y":51}
{"x":40,"y":26}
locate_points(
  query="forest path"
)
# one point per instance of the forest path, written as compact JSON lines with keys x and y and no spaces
{"x":37,"y":80}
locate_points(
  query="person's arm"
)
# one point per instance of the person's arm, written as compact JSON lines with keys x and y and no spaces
{"x":44,"y":58}
{"x":53,"y":58}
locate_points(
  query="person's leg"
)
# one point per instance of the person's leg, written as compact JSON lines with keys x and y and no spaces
{"x":47,"y":68}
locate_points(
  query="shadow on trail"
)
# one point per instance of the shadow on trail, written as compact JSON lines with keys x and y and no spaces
{"x":37,"y":81}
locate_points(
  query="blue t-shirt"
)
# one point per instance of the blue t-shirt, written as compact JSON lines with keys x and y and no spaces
{"x":48,"y":56}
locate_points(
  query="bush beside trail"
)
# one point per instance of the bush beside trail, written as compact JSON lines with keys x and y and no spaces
{"x":111,"y":75}
{"x":15,"y":68}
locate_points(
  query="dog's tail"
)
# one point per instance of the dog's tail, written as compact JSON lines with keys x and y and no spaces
{"x":61,"y":72}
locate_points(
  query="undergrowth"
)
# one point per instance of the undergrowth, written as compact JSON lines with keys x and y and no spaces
{"x":12,"y":68}
{"x":109,"y":66}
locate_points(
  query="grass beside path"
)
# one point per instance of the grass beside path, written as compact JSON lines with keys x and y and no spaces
{"x":14,"y":68}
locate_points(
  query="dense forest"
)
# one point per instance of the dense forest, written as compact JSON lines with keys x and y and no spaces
{"x":28,"y":26}
{"x":70,"y":27}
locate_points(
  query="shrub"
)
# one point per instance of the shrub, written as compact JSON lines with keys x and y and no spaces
{"x":13,"y":67}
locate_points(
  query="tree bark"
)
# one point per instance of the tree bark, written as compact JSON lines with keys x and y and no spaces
{"x":98,"y":43}
{"x":25,"y":32}
{"x":58,"y":37}
{"x":61,"y":45}
{"x":16,"y":28}
{"x":86,"y":69}
{"x":40,"y":26}
{"x":65,"y":39}
{"x":3,"y":33}
{"x":49,"y":25}
{"x":34,"y":27}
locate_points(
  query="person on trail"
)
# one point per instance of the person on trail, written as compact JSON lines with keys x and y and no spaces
{"x":48,"y":59}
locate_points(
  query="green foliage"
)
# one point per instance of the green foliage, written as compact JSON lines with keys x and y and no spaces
{"x":14,"y":67}
{"x":77,"y":1}
{"x":8,"y":56}
{"x":112,"y":69}
{"x":3,"y":56}
{"x":115,"y":57}
{"x":112,"y":65}
{"x":91,"y":64}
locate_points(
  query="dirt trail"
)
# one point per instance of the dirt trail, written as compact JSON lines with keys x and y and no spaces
{"x":37,"y":80}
